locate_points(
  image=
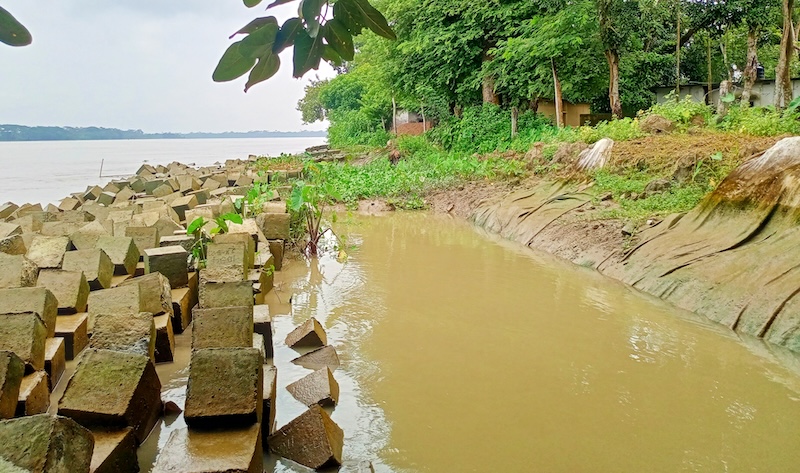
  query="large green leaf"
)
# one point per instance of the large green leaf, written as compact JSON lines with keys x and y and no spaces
{"x":310,"y":9}
{"x":369,"y":17}
{"x":255,"y":24}
{"x":287,"y":34}
{"x":232,"y":65}
{"x":349,"y":17}
{"x":329,"y":54}
{"x":267,"y":67}
{"x":232,"y":217}
{"x":12,"y":32}
{"x":339,"y":39}
{"x":251,"y":3}
{"x":196,"y":224}
{"x":307,"y":53}
{"x":259,"y":43}
{"x":277,"y":3}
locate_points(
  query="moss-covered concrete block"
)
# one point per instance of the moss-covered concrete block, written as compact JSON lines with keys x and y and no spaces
{"x":24,"y":334}
{"x":122,"y":251}
{"x":45,"y":444}
{"x":12,"y":370}
{"x":95,"y":264}
{"x":86,"y":237}
{"x":171,"y":261}
{"x":34,"y":395}
{"x":55,"y":360}
{"x":313,"y":439}
{"x":17,"y":271}
{"x":225,"y":387}
{"x":262,"y":324}
{"x":243,"y":237}
{"x":48,"y":251}
{"x":40,"y":300}
{"x":274,"y":226}
{"x":222,"y":327}
{"x":144,"y":238}
{"x":74,"y":329}
{"x":113,"y":389}
{"x":135,"y":333}
{"x":165,"y":339}
{"x":114,"y":451}
{"x":221,"y":255}
{"x":184,"y":299}
{"x":70,"y":289}
{"x":155,"y":293}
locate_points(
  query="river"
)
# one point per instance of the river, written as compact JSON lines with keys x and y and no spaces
{"x":464,"y":352}
{"x":47,"y":171}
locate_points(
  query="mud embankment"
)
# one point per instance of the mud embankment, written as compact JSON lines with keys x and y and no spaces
{"x":732,"y":259}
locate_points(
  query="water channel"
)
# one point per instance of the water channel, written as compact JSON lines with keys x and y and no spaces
{"x":463,"y":352}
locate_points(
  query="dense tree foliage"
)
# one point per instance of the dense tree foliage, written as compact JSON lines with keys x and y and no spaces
{"x":612,"y":54}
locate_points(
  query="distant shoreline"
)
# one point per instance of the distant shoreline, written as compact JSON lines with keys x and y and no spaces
{"x":17,"y":133}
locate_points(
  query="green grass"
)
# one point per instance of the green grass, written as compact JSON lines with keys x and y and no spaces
{"x":679,"y":198}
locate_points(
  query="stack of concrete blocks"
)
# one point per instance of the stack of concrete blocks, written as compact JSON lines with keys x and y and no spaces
{"x":231,"y":390}
{"x":111,"y":263}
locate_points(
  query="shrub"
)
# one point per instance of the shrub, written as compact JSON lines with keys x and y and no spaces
{"x":355,"y":127}
{"x":681,"y":111}
{"x":761,"y":121}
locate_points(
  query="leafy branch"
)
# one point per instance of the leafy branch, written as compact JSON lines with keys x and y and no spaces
{"x":312,"y":34}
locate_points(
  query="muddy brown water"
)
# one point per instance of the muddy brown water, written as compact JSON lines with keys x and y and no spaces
{"x":463,"y":352}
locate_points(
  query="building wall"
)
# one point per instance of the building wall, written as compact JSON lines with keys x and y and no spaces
{"x":763,"y":92}
{"x":413,"y":128}
{"x":572,"y":111}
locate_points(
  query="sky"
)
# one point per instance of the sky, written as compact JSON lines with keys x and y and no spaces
{"x":141,"y":64}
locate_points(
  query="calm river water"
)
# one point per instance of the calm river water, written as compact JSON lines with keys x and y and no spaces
{"x":47,"y":171}
{"x":462,"y":352}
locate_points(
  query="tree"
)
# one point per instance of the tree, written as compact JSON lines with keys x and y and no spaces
{"x":783,"y":81}
{"x":12,"y":32}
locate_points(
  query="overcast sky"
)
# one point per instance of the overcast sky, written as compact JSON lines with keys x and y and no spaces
{"x":140,"y":64}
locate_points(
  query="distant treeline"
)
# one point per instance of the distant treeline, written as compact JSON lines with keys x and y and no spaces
{"x":58,"y":133}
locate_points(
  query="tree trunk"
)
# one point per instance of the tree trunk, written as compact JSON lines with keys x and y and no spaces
{"x":750,"y":65}
{"x":710,"y":75}
{"x":534,"y":105}
{"x":514,"y":117}
{"x":722,"y":106}
{"x":394,"y":115}
{"x":489,"y":94}
{"x":612,"y":56}
{"x":424,"y":122}
{"x":678,"y":58}
{"x":783,"y":83}
{"x":557,"y":96}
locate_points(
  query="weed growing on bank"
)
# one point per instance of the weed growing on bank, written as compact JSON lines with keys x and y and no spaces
{"x":424,"y":168}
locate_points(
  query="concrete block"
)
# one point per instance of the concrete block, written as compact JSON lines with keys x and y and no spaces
{"x":55,"y":360}
{"x":125,"y":299}
{"x":309,"y":334}
{"x":222,"y":327}
{"x":183,"y":301}
{"x":262,"y":324}
{"x":155,"y":293}
{"x":187,"y":183}
{"x":202,"y":195}
{"x":24,"y":334}
{"x":171,"y":261}
{"x":69,"y":288}
{"x":95,"y":264}
{"x":113,"y":389}
{"x":12,"y":370}
{"x":74,"y":330}
{"x":122,"y":252}
{"x":134,"y":333}
{"x":144,"y":238}
{"x":162,"y":190}
{"x":86,"y":237}
{"x":124,"y":195}
{"x":48,"y":251}
{"x":106,"y":198}
{"x":218,"y":451}
{"x":7,"y":209}
{"x":270,"y":397}
{"x":274,"y":207}
{"x":51,"y":445}
{"x":31,"y":299}
{"x":92,"y":193}
{"x":184,"y":241}
{"x":225,"y":387}
{"x":17,"y":271}
{"x":13,"y":245}
{"x":319,"y":387}
{"x":319,"y":358}
{"x":274,"y":226}
{"x":277,"y":248}
{"x":34,"y":395}
{"x":224,"y":294}
{"x":114,"y":451}
{"x":263,"y":279}
{"x":244,"y":237}
{"x":182,"y":204}
{"x":60,"y":228}
{"x":9,"y":229}
{"x":165,"y":339}
{"x":313,"y":440}
{"x":221,"y":255}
